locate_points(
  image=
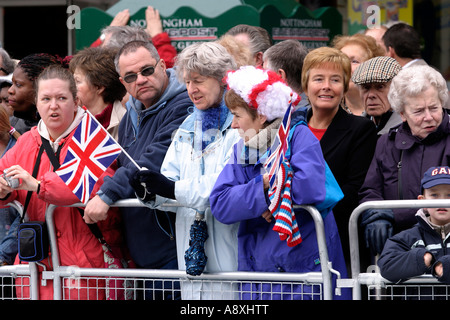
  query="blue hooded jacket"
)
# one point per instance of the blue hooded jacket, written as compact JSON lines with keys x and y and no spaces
{"x":145,"y":134}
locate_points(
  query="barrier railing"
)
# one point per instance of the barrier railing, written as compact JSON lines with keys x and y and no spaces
{"x":374,"y":279}
{"x":424,"y":287}
{"x":9,"y":275}
{"x":229,"y":283}
{"x":323,"y":278}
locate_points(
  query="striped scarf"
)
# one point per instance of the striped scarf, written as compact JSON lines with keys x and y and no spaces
{"x":281,"y":207}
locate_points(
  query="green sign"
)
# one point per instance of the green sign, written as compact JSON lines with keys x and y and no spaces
{"x":186,"y":25}
{"x":313,"y":29}
{"x":92,"y":21}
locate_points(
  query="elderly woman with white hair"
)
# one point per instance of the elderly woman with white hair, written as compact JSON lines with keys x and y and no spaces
{"x":403,"y":154}
{"x":259,"y":100}
{"x":200,"y":148}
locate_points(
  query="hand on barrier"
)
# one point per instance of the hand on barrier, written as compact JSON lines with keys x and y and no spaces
{"x":152,"y":182}
{"x":139,"y":188}
{"x":96,"y":210}
{"x":378,"y":228}
{"x":438,"y":270}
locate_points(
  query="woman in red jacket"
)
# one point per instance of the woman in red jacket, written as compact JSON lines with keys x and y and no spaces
{"x":60,"y":115}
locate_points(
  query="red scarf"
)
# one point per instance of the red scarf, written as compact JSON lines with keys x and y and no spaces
{"x":104,"y":117}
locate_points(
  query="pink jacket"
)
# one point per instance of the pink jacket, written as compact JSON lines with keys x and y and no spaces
{"x":76,"y":243}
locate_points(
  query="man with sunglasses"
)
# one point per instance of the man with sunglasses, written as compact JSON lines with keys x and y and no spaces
{"x":157,"y":106}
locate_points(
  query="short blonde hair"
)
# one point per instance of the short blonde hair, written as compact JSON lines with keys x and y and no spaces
{"x":326,"y":55}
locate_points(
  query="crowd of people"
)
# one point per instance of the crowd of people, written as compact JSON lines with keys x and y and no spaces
{"x":200,"y":125}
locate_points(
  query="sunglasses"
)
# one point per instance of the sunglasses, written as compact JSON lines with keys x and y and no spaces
{"x":147,"y":71}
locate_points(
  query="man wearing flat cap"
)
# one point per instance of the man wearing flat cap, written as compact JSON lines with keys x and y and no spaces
{"x":373,"y":78}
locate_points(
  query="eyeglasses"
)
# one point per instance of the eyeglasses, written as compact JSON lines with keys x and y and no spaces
{"x":3,"y":70}
{"x":147,"y":71}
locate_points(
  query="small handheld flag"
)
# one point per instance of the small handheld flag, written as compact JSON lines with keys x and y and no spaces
{"x":90,"y":152}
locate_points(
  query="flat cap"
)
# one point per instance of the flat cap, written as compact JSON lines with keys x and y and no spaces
{"x":378,"y":69}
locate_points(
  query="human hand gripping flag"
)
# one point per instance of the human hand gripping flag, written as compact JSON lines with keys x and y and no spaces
{"x":90,"y":152}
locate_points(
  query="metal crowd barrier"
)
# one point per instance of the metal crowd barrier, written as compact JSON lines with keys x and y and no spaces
{"x":225,"y":285}
{"x":28,"y":275}
{"x":422,"y":287}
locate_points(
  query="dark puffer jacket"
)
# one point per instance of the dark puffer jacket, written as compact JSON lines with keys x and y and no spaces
{"x":382,"y":180}
{"x":402,"y":256}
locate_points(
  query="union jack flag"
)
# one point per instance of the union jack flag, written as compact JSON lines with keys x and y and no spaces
{"x":278,"y":149}
{"x":90,"y":152}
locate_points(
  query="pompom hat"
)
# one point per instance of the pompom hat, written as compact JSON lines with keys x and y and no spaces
{"x":263,"y":90}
